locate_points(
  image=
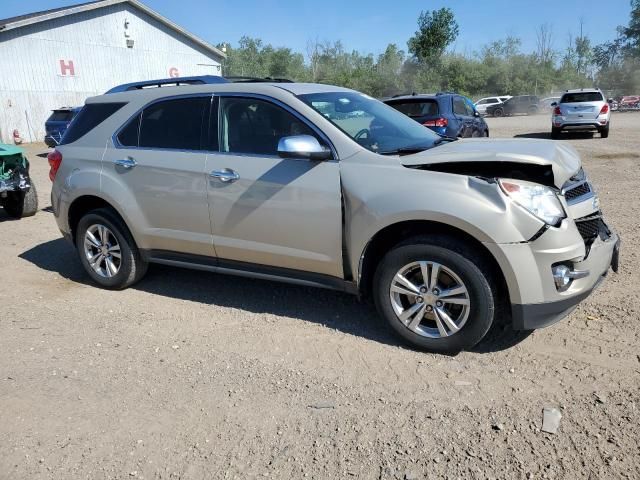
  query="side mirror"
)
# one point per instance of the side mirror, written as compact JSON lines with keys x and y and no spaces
{"x":554,"y":104}
{"x":303,"y":147}
{"x":475,"y":113}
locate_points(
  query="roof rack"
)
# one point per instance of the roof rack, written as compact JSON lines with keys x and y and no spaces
{"x":165,"y":82}
{"x":412,"y":94}
{"x":239,"y":79}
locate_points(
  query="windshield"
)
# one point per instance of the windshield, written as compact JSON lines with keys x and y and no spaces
{"x":371,"y":123}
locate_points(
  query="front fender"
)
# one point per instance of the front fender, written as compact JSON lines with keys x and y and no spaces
{"x":378,"y":195}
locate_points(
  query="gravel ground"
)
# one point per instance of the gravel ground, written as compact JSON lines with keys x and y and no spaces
{"x":193,"y":375}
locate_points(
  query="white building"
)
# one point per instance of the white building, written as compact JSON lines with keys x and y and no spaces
{"x":60,"y":57}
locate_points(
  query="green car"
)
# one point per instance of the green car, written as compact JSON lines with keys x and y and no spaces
{"x":17,"y":192}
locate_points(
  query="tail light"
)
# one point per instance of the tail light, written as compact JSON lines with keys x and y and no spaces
{"x":55,"y":159}
{"x":605,"y":109}
{"x":439,"y":122}
{"x":556,"y":111}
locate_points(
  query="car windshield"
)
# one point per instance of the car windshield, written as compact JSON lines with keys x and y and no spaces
{"x":374,"y":125}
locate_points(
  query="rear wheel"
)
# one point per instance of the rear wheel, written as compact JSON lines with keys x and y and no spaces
{"x":22,"y":204}
{"x":555,"y":132}
{"x":107,"y":250}
{"x":436,"y":293}
{"x":604,"y":131}
{"x":498,"y":112}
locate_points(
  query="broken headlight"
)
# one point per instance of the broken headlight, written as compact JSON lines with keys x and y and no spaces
{"x":541,"y":201}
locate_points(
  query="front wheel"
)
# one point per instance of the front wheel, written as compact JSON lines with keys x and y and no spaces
{"x":22,"y":204}
{"x":436,"y":293}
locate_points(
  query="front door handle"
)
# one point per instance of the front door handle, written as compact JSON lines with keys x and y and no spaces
{"x":126,"y":163}
{"x":226,"y":175}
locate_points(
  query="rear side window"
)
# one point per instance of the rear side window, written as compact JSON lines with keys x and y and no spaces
{"x":89,"y":118}
{"x":174,"y":124}
{"x":417,"y":109}
{"x":61,"y":116}
{"x":582,"y":97}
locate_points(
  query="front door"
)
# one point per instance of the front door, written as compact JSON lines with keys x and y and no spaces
{"x":157,"y":169}
{"x":268,"y":210}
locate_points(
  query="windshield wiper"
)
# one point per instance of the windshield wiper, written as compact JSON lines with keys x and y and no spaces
{"x":418,"y":149}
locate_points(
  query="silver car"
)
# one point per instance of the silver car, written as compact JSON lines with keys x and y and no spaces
{"x":584,"y":109}
{"x":324,"y":186}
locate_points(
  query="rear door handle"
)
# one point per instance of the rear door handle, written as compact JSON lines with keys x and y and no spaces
{"x":126,"y":163}
{"x":226,"y":175}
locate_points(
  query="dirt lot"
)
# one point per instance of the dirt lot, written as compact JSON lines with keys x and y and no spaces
{"x":192,"y":375}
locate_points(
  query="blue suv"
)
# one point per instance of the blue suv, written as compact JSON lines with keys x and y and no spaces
{"x":447,"y":114}
{"x":57,"y":124}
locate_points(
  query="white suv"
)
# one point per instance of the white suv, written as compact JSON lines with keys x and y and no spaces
{"x":482,"y":104}
{"x":583,"y":109}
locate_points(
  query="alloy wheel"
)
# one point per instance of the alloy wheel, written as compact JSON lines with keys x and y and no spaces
{"x":430,"y":299}
{"x":102,"y":250}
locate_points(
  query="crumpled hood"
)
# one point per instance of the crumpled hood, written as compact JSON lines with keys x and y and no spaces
{"x":563,"y":158}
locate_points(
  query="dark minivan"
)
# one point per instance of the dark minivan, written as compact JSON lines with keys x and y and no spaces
{"x":447,"y":114}
{"x":522,"y":104}
{"x":57,"y":124}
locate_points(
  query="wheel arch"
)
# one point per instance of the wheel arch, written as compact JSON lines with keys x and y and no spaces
{"x":393,"y":234}
{"x":86,"y":203}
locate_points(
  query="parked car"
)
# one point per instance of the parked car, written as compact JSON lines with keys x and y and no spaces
{"x":522,"y":104}
{"x":630,"y":102}
{"x":584,"y":109}
{"x":324,"y":186}
{"x":482,"y":104}
{"x":547,"y":103}
{"x":57,"y":124}
{"x":613,"y":104}
{"x":18,"y":194}
{"x":447,"y":114}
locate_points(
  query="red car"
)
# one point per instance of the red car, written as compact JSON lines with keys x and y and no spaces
{"x":630,"y":101}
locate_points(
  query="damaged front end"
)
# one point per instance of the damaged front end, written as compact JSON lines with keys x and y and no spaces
{"x":14,"y":173}
{"x":17,"y":193}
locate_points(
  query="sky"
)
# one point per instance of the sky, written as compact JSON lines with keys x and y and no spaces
{"x":368,"y":26}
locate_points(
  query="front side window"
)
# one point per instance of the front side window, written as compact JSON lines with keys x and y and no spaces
{"x":174,"y":124}
{"x":459,"y":106}
{"x":255,"y":126}
{"x":374,"y":125}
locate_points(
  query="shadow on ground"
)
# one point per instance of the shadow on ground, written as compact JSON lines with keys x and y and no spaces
{"x":325,"y":307}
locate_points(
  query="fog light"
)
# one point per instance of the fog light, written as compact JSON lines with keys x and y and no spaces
{"x":562,"y":277}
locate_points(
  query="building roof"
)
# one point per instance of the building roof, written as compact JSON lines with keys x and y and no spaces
{"x":37,"y":17}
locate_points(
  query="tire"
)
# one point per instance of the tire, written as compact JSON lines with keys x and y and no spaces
{"x":604,"y":132}
{"x":22,"y":204}
{"x":455,"y":259}
{"x":485,"y":134}
{"x":498,"y":112}
{"x":555,"y":133}
{"x":131,"y":267}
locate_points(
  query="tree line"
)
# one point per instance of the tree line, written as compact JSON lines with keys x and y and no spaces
{"x":499,"y":67}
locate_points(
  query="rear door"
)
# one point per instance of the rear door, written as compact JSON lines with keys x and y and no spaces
{"x":158,"y":159}
{"x":266,"y":210}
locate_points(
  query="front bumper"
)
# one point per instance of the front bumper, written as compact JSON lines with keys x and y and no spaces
{"x":603,"y":255}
